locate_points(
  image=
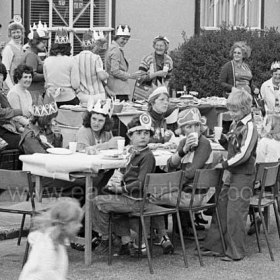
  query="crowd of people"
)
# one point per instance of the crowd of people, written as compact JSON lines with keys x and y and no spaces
{"x":33,"y":89}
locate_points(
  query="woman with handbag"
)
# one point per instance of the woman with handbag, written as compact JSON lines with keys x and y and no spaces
{"x":236,"y":74}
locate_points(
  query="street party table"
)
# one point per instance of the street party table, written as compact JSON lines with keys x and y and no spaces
{"x":70,"y":166}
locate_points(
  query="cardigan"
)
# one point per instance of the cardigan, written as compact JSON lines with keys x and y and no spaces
{"x":227,"y":77}
{"x":117,"y":68}
{"x":153,"y":63}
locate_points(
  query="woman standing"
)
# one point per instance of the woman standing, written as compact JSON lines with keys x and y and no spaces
{"x":236,"y":74}
{"x":117,"y":65}
{"x":270,"y":89}
{"x":157,"y":66}
{"x":61,"y":71}
{"x":12,"y":53}
{"x":37,"y":40}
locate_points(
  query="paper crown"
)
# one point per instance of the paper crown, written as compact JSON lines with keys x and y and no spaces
{"x":123,"y":30}
{"x":104,"y":106}
{"x":275,"y":65}
{"x":44,"y":109}
{"x":162,"y":38}
{"x":145,"y":123}
{"x":90,"y":37}
{"x":158,"y":90}
{"x":61,"y":36}
{"x":16,"y":22}
{"x":190,"y":116}
{"x":38,"y":31}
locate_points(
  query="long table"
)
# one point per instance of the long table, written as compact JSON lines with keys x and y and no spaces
{"x":69,"y":167}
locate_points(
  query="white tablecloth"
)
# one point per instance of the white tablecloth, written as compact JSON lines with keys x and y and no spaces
{"x":60,"y":166}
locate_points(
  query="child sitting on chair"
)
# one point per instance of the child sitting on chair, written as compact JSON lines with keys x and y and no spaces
{"x":128,"y":194}
{"x":48,"y":257}
{"x":194,"y":152}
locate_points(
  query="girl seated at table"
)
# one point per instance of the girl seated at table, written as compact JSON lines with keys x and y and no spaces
{"x":194,"y":152}
{"x":158,"y":103}
{"x":96,"y":134}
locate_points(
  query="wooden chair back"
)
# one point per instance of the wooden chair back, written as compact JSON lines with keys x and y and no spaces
{"x":157,"y":184}
{"x":204,"y":179}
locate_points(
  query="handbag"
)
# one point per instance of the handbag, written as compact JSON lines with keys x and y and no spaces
{"x":141,"y":92}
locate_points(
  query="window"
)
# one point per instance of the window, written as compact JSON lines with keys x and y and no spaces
{"x":239,"y":13}
{"x":76,"y":16}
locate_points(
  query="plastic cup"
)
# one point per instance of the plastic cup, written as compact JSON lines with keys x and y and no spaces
{"x":195,"y":135}
{"x":218,"y":132}
{"x":121,"y":143}
{"x":73,"y":146}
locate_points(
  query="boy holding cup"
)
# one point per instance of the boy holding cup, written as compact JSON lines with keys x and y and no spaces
{"x":193,"y":152}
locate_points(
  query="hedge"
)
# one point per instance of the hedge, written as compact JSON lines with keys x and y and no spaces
{"x":197,"y":61}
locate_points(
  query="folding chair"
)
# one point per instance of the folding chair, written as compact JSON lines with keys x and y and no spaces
{"x":204,"y":179}
{"x":154,"y":186}
{"x":18,"y":184}
{"x":260,"y":166}
{"x":264,"y":199}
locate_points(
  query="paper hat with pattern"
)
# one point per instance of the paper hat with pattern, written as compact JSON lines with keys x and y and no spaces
{"x":123,"y":30}
{"x":145,"y":123}
{"x":44,"y":109}
{"x":190,"y":116}
{"x":157,"y":92}
{"x":88,"y":39}
{"x":104,"y":107}
{"x":275,"y":65}
{"x":16,"y":23}
{"x":61,"y":37}
{"x":38,"y":31}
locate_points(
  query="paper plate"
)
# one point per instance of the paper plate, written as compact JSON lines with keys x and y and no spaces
{"x":111,"y":153}
{"x":59,"y":151}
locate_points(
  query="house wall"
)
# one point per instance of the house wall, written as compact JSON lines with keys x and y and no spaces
{"x":149,"y":18}
{"x":272,"y":13}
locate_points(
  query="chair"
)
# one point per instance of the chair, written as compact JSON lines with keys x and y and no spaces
{"x":264,"y":199}
{"x":204,"y":179}
{"x":154,"y":186}
{"x":260,"y":166}
{"x":19,"y":185}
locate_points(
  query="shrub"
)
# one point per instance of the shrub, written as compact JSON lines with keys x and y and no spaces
{"x":197,"y":61}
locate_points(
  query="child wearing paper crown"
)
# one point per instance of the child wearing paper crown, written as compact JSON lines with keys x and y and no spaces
{"x":48,"y":256}
{"x":127,"y":197}
{"x":234,"y":201}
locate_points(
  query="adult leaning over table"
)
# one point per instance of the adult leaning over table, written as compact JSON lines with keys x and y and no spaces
{"x":61,"y":71}
{"x":117,"y":65}
{"x":236,"y":74}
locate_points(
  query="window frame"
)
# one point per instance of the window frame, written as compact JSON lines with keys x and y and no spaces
{"x":231,"y":15}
